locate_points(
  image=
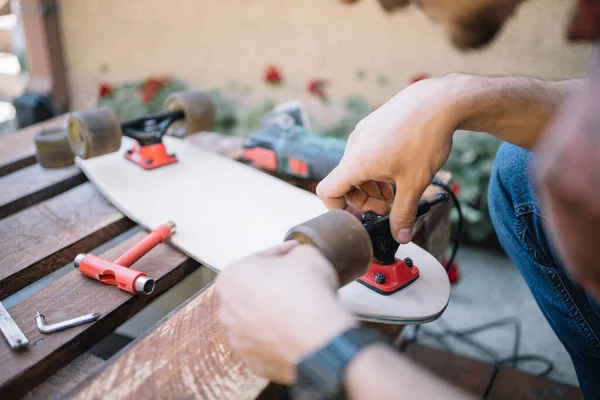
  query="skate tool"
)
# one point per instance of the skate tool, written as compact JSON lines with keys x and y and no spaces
{"x":118,"y":273}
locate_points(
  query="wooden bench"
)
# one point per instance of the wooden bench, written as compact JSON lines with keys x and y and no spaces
{"x":49,"y":216}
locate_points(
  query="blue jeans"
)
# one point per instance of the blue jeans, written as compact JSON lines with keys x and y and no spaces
{"x":519,"y":222}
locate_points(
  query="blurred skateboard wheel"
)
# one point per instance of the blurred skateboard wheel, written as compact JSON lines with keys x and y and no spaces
{"x":198,"y":108}
{"x":94,"y":133}
{"x":53,"y":149}
{"x":342,"y":239}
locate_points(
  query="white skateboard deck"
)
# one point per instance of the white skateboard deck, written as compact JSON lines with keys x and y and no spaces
{"x":225,"y":210}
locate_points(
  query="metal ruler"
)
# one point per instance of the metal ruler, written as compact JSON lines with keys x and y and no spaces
{"x":13,"y":334}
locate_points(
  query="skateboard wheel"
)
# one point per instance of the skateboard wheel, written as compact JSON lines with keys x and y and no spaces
{"x":93,"y":133}
{"x":342,"y":239}
{"x":53,"y":149}
{"x":198,"y":108}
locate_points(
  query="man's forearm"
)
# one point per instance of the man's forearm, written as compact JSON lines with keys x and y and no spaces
{"x":514,"y":109}
{"x":381,"y":373}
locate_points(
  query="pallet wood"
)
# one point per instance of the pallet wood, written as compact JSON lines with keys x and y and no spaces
{"x":33,"y":184}
{"x":74,"y":295}
{"x":59,"y":384}
{"x":43,"y":238}
{"x":185,"y":356}
{"x":17,"y":150}
{"x":510,"y":384}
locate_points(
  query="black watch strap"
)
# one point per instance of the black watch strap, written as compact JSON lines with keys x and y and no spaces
{"x":320,"y":375}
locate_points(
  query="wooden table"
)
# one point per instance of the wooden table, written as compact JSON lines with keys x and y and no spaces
{"x":49,"y":216}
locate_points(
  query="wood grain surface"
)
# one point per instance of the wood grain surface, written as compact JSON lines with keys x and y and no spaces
{"x":33,"y":184}
{"x":44,"y":237}
{"x":59,"y":384}
{"x":74,"y":295}
{"x":17,"y":150}
{"x":510,"y":384}
{"x":185,"y":356}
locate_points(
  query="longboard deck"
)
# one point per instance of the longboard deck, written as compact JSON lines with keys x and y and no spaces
{"x":225,"y":210}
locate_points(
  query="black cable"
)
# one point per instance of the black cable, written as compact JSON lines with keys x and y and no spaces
{"x":464,"y":334}
{"x":459,"y":226}
{"x":464,"y":337}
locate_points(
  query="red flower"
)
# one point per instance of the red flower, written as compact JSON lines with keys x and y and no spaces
{"x":273,"y":75}
{"x":419,"y":77}
{"x":104,"y":90}
{"x":151,"y":86}
{"x":317,"y":87}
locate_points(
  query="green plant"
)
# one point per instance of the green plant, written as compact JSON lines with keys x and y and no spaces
{"x":471,"y":162}
{"x":130,"y":99}
{"x":356,"y":109}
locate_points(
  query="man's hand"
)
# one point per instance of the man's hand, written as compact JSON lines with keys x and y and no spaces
{"x":404,"y":142}
{"x":279,"y":305}
{"x":568,"y":175}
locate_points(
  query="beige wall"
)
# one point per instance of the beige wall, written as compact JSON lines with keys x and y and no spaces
{"x":209,"y":42}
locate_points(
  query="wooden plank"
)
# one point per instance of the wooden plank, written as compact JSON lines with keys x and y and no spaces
{"x":17,"y":150}
{"x":59,"y":384}
{"x":43,"y":238}
{"x":510,"y":384}
{"x":73,"y":295}
{"x":471,"y":375}
{"x":33,"y":184}
{"x":185,"y":356}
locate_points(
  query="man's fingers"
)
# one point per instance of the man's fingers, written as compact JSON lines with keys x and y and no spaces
{"x":334,"y":187}
{"x":362,"y":202}
{"x":387,"y":191}
{"x":371,"y":189}
{"x":404,"y":211}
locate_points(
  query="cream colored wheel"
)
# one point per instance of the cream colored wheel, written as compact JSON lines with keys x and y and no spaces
{"x":198,"y":108}
{"x":342,"y":239}
{"x":93,"y":133}
{"x":53,"y":149}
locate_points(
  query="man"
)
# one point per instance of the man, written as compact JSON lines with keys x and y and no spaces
{"x":545,"y":208}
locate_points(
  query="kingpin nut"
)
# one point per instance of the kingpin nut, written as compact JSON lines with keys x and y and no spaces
{"x":78,"y":259}
{"x":144,"y":285}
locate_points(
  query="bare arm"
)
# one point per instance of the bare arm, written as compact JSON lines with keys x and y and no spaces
{"x":514,"y":109}
{"x":380,"y":373}
{"x":408,"y":139}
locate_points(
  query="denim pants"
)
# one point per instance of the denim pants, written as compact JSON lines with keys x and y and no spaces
{"x":519,"y":222}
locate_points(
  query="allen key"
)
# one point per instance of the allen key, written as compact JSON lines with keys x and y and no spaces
{"x":59,"y":326}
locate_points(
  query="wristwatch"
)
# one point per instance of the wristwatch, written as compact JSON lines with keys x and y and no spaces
{"x":320,"y":375}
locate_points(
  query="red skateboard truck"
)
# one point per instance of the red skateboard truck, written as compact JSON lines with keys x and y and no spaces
{"x":388,"y":274}
{"x":118,"y":273}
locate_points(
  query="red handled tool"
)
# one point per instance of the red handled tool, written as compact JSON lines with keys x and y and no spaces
{"x":118,"y":273}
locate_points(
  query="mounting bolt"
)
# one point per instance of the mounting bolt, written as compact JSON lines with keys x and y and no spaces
{"x":380,"y":278}
{"x":408,"y":262}
{"x":148,"y":161}
{"x":370,"y":216}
